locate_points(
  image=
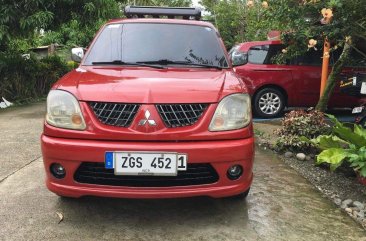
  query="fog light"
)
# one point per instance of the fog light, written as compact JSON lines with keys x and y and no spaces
{"x":58,"y":170}
{"x":234,"y":172}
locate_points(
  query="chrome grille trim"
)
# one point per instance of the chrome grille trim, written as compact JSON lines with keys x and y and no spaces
{"x":115,"y":114}
{"x":179,"y":115}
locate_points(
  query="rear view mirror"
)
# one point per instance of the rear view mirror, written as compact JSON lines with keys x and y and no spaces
{"x":239,"y":58}
{"x":77,"y":54}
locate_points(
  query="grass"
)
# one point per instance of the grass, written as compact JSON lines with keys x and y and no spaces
{"x":259,"y":133}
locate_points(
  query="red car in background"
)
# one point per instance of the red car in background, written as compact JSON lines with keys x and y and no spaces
{"x":294,"y":84}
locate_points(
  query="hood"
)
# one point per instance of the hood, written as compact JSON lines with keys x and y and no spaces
{"x":148,"y":85}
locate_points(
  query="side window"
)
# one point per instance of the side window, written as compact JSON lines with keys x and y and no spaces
{"x":264,"y":54}
{"x":356,"y":59}
{"x":258,"y":54}
{"x":334,"y":56}
{"x":237,"y":57}
{"x":311,"y":58}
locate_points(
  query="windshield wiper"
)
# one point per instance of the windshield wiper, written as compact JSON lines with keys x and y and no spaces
{"x":119,"y":62}
{"x":167,"y":61}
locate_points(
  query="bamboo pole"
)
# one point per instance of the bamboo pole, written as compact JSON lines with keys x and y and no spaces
{"x":325,"y":66}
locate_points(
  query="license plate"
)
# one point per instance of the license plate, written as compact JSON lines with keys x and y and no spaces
{"x":357,"y":110}
{"x":146,"y":163}
{"x":363,"y":88}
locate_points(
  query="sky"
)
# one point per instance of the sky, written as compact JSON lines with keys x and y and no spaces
{"x":195,"y":3}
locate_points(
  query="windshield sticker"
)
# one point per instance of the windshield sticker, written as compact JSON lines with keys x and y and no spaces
{"x":113,"y":25}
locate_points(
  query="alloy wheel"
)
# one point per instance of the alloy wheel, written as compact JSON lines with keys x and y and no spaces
{"x":270,"y":103}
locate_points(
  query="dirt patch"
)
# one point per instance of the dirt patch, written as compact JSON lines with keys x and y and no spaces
{"x":264,"y":133}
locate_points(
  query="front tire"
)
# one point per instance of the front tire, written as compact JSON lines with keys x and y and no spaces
{"x":240,"y":196}
{"x":269,"y":103}
{"x":363,"y":122}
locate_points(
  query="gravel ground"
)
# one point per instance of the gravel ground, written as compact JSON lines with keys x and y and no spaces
{"x":340,"y":186}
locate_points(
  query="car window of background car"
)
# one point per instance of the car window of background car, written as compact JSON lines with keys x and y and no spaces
{"x":312,"y":57}
{"x":356,"y":59}
{"x":140,"y":42}
{"x":334,"y":56}
{"x":264,"y":54}
{"x":315,"y":58}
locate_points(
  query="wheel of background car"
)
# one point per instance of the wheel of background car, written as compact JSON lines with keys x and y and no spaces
{"x":269,"y":103}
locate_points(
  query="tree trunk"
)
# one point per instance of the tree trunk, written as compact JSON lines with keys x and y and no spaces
{"x":332,"y":79}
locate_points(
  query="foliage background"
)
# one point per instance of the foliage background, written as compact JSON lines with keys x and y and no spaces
{"x":25,"y":24}
{"x":23,"y":80}
{"x":237,"y":22}
{"x":74,"y":22}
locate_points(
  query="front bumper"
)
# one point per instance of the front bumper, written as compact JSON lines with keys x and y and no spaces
{"x":220,"y":154}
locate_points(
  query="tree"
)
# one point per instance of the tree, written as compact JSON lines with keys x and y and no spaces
{"x":172,"y":3}
{"x":227,"y":17}
{"x":65,"y":21}
{"x":20,"y":19}
{"x":237,"y":22}
{"x":167,"y":3}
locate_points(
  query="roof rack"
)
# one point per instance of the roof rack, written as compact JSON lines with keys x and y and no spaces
{"x":157,"y":12}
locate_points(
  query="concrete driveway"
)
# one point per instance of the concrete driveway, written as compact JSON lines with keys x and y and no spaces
{"x":281,"y":206}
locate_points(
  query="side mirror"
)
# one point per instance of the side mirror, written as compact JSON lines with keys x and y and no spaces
{"x":239,"y":58}
{"x":77,"y":54}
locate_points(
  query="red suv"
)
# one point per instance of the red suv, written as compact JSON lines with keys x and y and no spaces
{"x":294,"y":84}
{"x":153,"y":111}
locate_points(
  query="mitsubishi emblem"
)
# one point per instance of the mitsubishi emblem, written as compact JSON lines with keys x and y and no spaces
{"x":147,"y":116}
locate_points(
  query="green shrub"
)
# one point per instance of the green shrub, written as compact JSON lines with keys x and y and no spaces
{"x":72,"y":64}
{"x":72,"y":34}
{"x":298,"y":124}
{"x":23,"y":80}
{"x":342,"y":144}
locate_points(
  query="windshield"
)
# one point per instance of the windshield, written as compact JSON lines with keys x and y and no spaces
{"x":144,"y":42}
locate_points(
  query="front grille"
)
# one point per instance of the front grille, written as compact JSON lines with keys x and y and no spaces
{"x":115,"y":114}
{"x":95,"y":173}
{"x":178,"y":115}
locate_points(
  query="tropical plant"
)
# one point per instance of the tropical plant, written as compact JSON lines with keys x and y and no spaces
{"x":297,"y":124}
{"x":343,"y":144}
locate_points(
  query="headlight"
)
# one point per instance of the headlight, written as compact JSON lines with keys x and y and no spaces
{"x":63,"y":111}
{"x":233,"y":112}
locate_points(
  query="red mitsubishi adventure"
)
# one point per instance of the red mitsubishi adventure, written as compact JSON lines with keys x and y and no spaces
{"x":153,"y":111}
